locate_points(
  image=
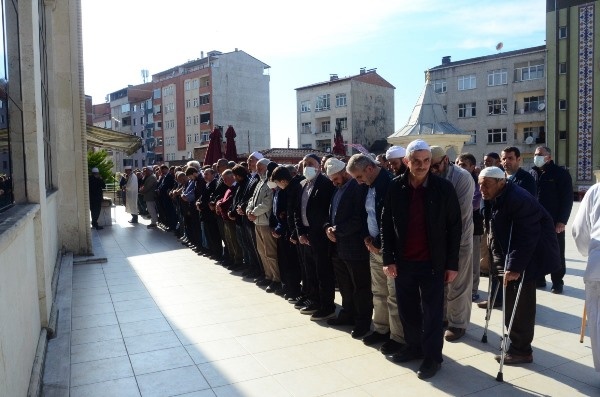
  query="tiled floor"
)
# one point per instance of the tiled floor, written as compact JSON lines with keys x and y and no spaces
{"x":158,"y":320}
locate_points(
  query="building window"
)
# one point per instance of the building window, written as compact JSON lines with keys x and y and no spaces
{"x":439,"y":86}
{"x":156,"y":93}
{"x":196,"y":136}
{"x":534,"y":104}
{"x":196,"y":83}
{"x":305,"y":128}
{"x":195,"y":102}
{"x":468,"y":82}
{"x":562,"y":32}
{"x":562,"y":68}
{"x":325,"y":126}
{"x":466,"y":110}
{"x":533,"y":72}
{"x":188,"y":103}
{"x":159,"y":125}
{"x":562,"y":104}
{"x":445,"y":109}
{"x":188,"y":120}
{"x":305,"y":106}
{"x":188,"y":85}
{"x":134,"y":121}
{"x":125,"y":108}
{"x":562,"y":135}
{"x":340,"y":100}
{"x":205,"y":118}
{"x":497,"y":77}
{"x":157,"y":109}
{"x":473,"y":140}
{"x":307,"y":146}
{"x":343,"y":122}
{"x":189,"y":138}
{"x":496,"y":135}
{"x":196,"y":119}
{"x":497,"y":106}
{"x":205,"y":136}
{"x":204,"y":99}
{"x":322,"y":103}
{"x":135,"y":108}
{"x":537,"y":133}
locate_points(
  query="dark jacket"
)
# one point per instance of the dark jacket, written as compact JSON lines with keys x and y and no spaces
{"x":293,"y":192}
{"x":250,"y":186}
{"x":96,"y":185}
{"x":381,"y":185}
{"x":555,"y":191}
{"x":278,"y":220}
{"x":165,"y":185}
{"x":525,"y":180}
{"x":317,"y":208}
{"x":350,"y":223}
{"x":205,"y":211}
{"x":237,"y":199}
{"x":442,"y":217}
{"x":533,"y":242}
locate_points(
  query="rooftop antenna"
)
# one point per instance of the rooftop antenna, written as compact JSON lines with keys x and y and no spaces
{"x":144,"y":74}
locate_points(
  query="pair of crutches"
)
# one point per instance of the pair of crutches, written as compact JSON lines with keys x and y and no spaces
{"x":490,"y":305}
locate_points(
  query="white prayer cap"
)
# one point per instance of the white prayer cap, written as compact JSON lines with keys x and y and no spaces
{"x":333,"y":166}
{"x":95,"y":170}
{"x":263,"y":161}
{"x":492,"y":172}
{"x":127,"y":167}
{"x":257,"y":155}
{"x":416,"y":145}
{"x":395,"y":152}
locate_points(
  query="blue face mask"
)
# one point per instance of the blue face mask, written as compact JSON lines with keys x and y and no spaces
{"x":539,"y":161}
{"x":310,"y":173}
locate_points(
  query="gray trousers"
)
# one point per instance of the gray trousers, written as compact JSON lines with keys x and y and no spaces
{"x":386,"y":317}
{"x":458,"y":300}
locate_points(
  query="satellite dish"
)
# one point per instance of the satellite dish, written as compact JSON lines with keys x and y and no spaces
{"x":499,"y":46}
{"x":541,"y":106}
{"x":529,"y":140}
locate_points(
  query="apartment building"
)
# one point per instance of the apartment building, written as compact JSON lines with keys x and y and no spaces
{"x":573,"y":40}
{"x":499,"y":99}
{"x":362,"y":105}
{"x":221,"y":89}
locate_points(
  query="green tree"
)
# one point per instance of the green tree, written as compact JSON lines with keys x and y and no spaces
{"x":99,"y":160}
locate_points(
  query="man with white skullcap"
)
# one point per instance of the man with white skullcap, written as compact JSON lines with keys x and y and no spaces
{"x":345,"y":228}
{"x":421,"y":232}
{"x":523,"y":243}
{"x":394,"y":156}
{"x":96,"y":185}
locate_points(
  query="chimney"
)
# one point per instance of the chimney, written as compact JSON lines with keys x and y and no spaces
{"x":362,"y":70}
{"x":446,"y":60}
{"x":201,"y":54}
{"x":333,"y":77}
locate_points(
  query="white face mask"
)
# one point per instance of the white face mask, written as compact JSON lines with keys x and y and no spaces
{"x":310,"y":173}
{"x":271,"y":185}
{"x":539,"y":161}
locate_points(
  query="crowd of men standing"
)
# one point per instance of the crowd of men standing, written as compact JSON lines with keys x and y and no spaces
{"x":401,"y":237}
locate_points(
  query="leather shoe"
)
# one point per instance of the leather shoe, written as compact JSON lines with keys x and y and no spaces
{"x":376,"y":337}
{"x":264,"y":282}
{"x":557,"y":289}
{"x":390,"y":347}
{"x":483,"y":304}
{"x":360,"y":330}
{"x":454,"y":333}
{"x":514,"y":359}
{"x":406,"y":355}
{"x":428,"y":368}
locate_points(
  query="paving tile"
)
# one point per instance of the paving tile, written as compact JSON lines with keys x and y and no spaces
{"x":96,"y":334}
{"x":131,"y":316}
{"x":215,"y":350}
{"x":96,"y":320}
{"x":126,"y":387}
{"x":100,"y":370}
{"x":97,"y":351}
{"x":253,"y":388}
{"x":130,"y":295}
{"x":134,"y":286}
{"x":90,"y":300}
{"x":135,"y":304}
{"x":172,"y":382}
{"x":313,"y":381}
{"x":232,"y":370}
{"x":145,"y":327}
{"x":149,"y":342}
{"x":95,"y":308}
{"x":160,"y":360}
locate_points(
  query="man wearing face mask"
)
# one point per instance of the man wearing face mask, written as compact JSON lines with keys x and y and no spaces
{"x":395,"y":156}
{"x":458,"y":295}
{"x":259,"y":211}
{"x":555,"y":194}
{"x":312,"y":214}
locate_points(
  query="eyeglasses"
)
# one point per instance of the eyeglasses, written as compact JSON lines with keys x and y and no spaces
{"x":437,"y":165}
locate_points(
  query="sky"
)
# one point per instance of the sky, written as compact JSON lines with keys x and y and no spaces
{"x":302,"y":42}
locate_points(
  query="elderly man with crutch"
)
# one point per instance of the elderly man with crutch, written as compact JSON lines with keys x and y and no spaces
{"x":524,"y":247}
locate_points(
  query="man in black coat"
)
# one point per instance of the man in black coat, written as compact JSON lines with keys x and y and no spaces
{"x":421,"y":231}
{"x":523,"y":243}
{"x":555,"y":194}
{"x":96,"y":185}
{"x":347,"y":229}
{"x":166,"y":184}
{"x":311,"y":215}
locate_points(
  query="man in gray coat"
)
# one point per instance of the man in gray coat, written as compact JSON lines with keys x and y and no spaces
{"x":148,"y":190}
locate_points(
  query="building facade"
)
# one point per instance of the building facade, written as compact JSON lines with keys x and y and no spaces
{"x":48,"y":212}
{"x":573,"y":40}
{"x":362,"y":105}
{"x":499,"y":99}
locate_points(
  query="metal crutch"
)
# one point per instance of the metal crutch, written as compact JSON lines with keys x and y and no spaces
{"x":505,"y":336}
{"x":490,"y":303}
